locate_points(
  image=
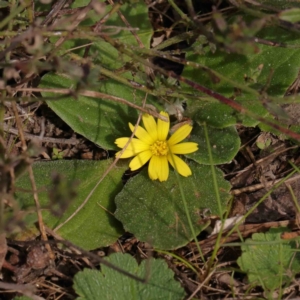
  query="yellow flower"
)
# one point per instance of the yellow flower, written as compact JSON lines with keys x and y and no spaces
{"x":152,"y":144}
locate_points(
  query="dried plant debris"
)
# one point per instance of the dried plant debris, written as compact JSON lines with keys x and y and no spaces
{"x":73,"y":74}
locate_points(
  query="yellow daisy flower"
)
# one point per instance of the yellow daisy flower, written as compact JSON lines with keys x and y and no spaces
{"x":152,"y":144}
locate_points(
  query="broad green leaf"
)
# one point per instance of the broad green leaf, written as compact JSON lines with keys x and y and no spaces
{"x":99,"y":120}
{"x":93,"y":226}
{"x":219,"y":115}
{"x":268,"y":260}
{"x":224,"y":144}
{"x":291,"y":15}
{"x":110,"y":284}
{"x":253,"y":71}
{"x":210,"y":112}
{"x":154,"y":212}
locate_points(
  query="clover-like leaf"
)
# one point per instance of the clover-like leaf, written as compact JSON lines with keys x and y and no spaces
{"x":110,"y":284}
{"x":93,"y":226}
{"x":154,"y":211}
{"x":268,"y":260}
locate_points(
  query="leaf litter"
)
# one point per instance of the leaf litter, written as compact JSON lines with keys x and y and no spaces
{"x":252,"y":173}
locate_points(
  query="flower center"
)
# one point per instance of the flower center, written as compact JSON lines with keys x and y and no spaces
{"x":159,"y":148}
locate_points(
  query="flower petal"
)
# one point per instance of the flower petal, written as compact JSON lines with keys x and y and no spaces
{"x":142,"y":134}
{"x":153,"y":167}
{"x":164,"y":168}
{"x":121,"y":142}
{"x":158,"y":168}
{"x":179,"y":165}
{"x":133,"y":148}
{"x":127,"y":153}
{"x":180,"y":134}
{"x":150,"y":126}
{"x":163,"y":127}
{"x":140,"y":160}
{"x":184,"y":148}
{"x":135,"y":145}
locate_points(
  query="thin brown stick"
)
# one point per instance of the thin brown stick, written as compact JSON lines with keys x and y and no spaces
{"x":148,"y":70}
{"x":122,"y":17}
{"x":54,"y":12}
{"x":33,"y":185}
{"x":201,"y":285}
{"x":25,"y":289}
{"x":44,"y":139}
{"x":74,"y":22}
{"x":94,"y":94}
{"x":259,"y":186}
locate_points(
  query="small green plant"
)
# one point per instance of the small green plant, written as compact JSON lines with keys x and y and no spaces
{"x":269,"y":261}
{"x":56,"y":154}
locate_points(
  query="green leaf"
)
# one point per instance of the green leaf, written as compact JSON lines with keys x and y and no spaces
{"x":99,"y":120}
{"x":279,"y":4}
{"x":291,"y":15}
{"x":252,"y":71}
{"x":93,"y":226}
{"x":215,"y":114}
{"x":224,"y":144}
{"x":110,"y":284}
{"x":22,"y":298}
{"x":268,"y":261}
{"x":103,"y":120}
{"x":154,"y":212}
{"x":219,"y":115}
{"x":4,"y":4}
